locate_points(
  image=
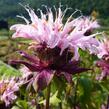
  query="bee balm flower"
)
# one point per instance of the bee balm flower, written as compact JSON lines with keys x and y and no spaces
{"x":103,"y":48}
{"x":7,"y":90}
{"x":55,"y":44}
{"x":54,"y":33}
{"x":103,"y":54}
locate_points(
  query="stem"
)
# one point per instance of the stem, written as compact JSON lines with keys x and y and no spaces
{"x":60,"y":105}
{"x":48,"y":96}
{"x":75,"y":94}
{"x":107,"y":107}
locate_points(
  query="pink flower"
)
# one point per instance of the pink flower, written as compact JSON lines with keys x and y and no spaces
{"x":103,"y":54}
{"x":104,"y":65}
{"x":103,"y":106}
{"x":55,"y":44}
{"x":74,"y":34}
{"x":7,"y":90}
{"x":86,"y":22}
{"x":25,"y":72}
{"x":103,"y":48}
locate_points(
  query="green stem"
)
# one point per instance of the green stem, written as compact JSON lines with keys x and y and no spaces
{"x":60,"y":105}
{"x":107,"y":107}
{"x":75,"y":93}
{"x":48,"y":97}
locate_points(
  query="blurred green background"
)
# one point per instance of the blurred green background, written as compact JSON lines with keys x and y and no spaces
{"x":100,"y":8}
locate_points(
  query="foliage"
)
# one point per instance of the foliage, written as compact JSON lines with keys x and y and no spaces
{"x":8,"y":71}
{"x":86,"y":6}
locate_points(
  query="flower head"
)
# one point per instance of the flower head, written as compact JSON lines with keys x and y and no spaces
{"x":103,"y":54}
{"x":7,"y":90}
{"x":55,"y":44}
{"x":104,"y":65}
{"x":52,"y":32}
{"x":103,"y":48}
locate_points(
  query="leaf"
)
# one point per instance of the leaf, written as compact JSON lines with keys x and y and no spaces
{"x":54,"y":100}
{"x":15,"y":107}
{"x":22,"y":104}
{"x":58,"y":84}
{"x":105,"y":89}
{"x":86,"y":86}
{"x":7,"y":70}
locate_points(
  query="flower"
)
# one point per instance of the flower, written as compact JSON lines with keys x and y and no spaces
{"x":25,"y":72}
{"x":86,"y":23}
{"x":103,"y":54}
{"x":55,"y":45}
{"x":7,"y":90}
{"x":41,"y":72}
{"x":103,"y":48}
{"x":104,"y":65}
{"x":74,"y":34}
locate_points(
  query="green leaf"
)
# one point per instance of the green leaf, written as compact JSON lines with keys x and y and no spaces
{"x":105,"y":89}
{"x":22,"y":104}
{"x":8,"y":71}
{"x":86,"y":86}
{"x":58,"y":84}
{"x":54,"y":100}
{"x":15,"y":107}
